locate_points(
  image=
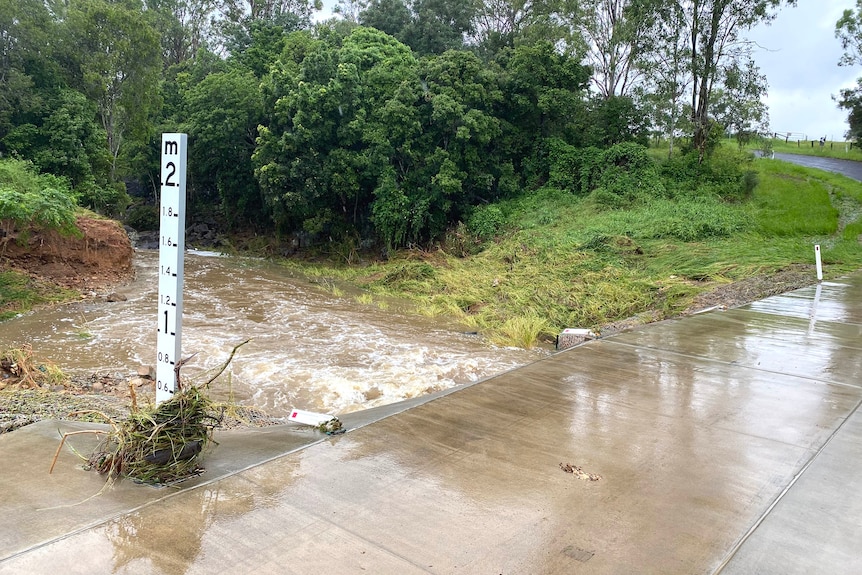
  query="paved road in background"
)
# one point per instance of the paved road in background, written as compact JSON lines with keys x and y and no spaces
{"x":849,"y":168}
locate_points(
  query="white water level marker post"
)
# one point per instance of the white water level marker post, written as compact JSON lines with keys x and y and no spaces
{"x":172,"y":233}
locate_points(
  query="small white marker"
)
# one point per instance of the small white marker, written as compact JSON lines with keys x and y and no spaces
{"x":818,"y":262}
{"x":309,"y":417}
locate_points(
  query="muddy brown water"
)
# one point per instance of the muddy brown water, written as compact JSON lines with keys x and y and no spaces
{"x":309,"y":349}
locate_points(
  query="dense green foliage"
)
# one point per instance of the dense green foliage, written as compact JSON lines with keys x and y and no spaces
{"x":558,"y":260}
{"x":389,"y":126}
{"x":31,"y":199}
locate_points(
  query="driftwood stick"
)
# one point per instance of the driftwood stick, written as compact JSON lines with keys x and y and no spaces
{"x":227,"y":363}
{"x":62,"y":441}
{"x":179,"y":365}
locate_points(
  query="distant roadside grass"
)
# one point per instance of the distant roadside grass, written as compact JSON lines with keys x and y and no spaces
{"x":841,"y":150}
{"x":561,"y":260}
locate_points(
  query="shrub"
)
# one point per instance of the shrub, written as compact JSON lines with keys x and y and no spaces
{"x":728,"y":174}
{"x":486,"y":221}
{"x":111,"y":200}
{"x":615,"y":177}
{"x":628,"y":174}
{"x":572,"y":169}
{"x":31,"y":199}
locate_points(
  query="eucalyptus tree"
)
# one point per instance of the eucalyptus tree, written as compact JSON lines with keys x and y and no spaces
{"x":848,"y":29}
{"x":240,"y":20}
{"x":668,"y":76}
{"x":716,"y":42}
{"x":238,"y":10}
{"x":114,"y":58}
{"x":618,"y":40}
{"x":498,"y":23}
{"x":185,"y":26}
{"x":738,"y":107}
{"x":504,"y":23}
{"x":350,"y":9}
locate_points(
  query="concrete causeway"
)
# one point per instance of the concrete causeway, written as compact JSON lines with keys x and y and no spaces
{"x":727,"y":442}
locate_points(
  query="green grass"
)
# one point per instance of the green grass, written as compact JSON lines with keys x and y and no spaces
{"x":19,"y":294}
{"x":565,"y":262}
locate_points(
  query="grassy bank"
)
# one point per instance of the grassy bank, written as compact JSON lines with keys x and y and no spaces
{"x":19,"y":294}
{"x":562,"y":261}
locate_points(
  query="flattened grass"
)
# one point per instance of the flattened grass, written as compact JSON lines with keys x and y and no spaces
{"x":562,"y":261}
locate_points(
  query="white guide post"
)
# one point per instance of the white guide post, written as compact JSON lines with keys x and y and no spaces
{"x":172,"y":226}
{"x":818,"y":263}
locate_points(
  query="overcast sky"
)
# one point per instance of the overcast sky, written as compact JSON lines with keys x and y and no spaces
{"x":799,"y":56}
{"x":800,"y":59}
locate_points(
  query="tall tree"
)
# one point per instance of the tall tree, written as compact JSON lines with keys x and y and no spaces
{"x":241,"y":19}
{"x":115,"y":61}
{"x":668,"y":77}
{"x":738,"y":106}
{"x":350,"y":9}
{"x":26,"y":50}
{"x":222,"y":115}
{"x":543,"y":95}
{"x":716,"y":42}
{"x":237,"y":10}
{"x":440,"y":25}
{"x":500,"y":22}
{"x":617,"y":36}
{"x":848,"y":29}
{"x":184,"y":26}
{"x":344,"y":113}
{"x":390,"y":16}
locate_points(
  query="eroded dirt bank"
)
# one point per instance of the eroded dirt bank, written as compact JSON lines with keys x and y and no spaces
{"x":97,"y":259}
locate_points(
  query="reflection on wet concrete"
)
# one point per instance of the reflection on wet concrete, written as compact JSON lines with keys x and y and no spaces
{"x":697,"y":428}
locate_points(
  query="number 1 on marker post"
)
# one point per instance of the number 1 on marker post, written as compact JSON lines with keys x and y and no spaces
{"x":172,"y":232}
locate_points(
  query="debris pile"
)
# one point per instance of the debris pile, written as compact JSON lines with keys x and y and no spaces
{"x":579,"y":473}
{"x":158,"y":444}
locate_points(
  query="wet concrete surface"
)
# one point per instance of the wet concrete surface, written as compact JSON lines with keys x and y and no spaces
{"x":727,"y":442}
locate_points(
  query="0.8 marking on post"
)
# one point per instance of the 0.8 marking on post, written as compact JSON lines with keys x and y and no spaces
{"x":171,"y":251}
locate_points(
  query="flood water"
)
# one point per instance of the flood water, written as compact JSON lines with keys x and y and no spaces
{"x":309,"y":349}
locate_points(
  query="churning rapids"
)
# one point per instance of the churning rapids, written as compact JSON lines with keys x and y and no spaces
{"x":309,"y":349}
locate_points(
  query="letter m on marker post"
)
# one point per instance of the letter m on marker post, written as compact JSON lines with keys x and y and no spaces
{"x":171,"y":148}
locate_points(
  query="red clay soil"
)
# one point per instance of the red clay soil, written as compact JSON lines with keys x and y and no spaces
{"x":102,"y":256}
